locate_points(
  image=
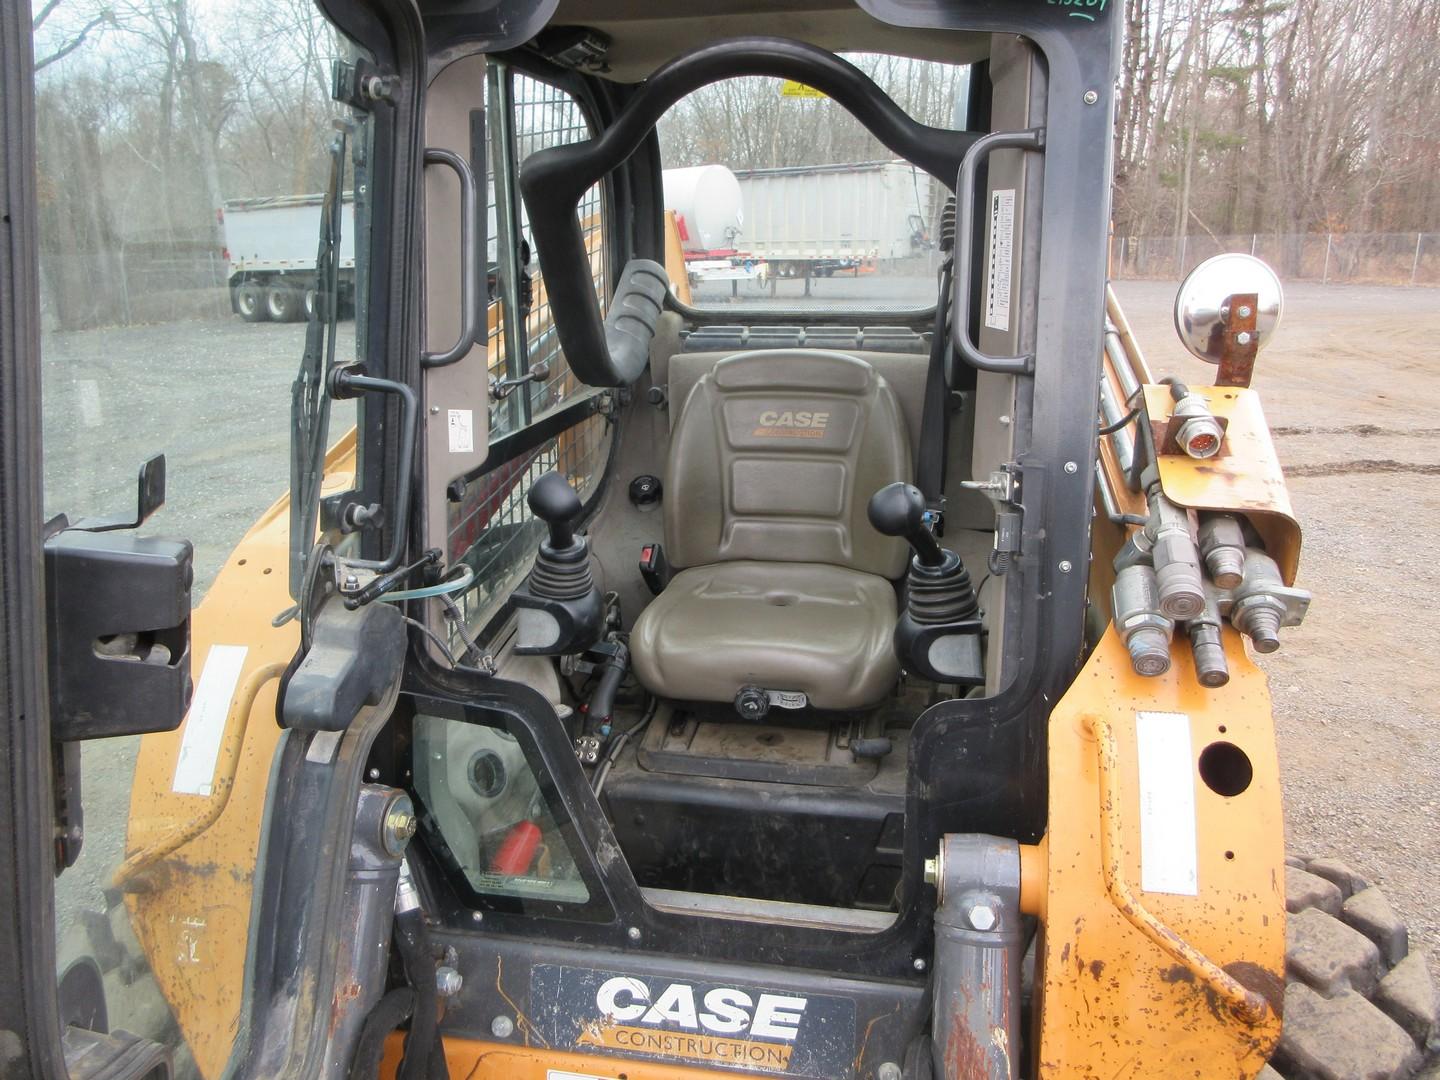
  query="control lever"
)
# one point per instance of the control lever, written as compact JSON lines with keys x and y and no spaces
{"x":899,"y":510}
{"x":938,"y":636}
{"x":559,"y":605}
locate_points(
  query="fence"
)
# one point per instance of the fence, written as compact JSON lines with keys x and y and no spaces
{"x":1328,"y":258}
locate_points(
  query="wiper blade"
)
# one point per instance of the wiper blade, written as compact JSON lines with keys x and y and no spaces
{"x":309,"y":400}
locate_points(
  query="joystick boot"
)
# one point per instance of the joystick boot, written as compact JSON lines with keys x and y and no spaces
{"x":938,"y":635}
{"x":559,"y":605}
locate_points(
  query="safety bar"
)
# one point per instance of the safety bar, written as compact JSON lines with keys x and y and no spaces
{"x":553,"y":180}
{"x":1033,"y":140}
{"x":469,"y":256}
{"x":1249,"y":1006}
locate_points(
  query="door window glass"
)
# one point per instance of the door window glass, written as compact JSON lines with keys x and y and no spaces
{"x":182,"y":149}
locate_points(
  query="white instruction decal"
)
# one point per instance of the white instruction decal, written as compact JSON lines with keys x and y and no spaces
{"x":205,"y":722}
{"x":462,"y":431}
{"x":1002,"y":249}
{"x":1168,"y":849}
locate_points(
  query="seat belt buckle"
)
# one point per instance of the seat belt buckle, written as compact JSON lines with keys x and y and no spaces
{"x":654,"y":569}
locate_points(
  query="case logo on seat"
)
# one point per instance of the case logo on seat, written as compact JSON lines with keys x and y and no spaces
{"x":788,"y":424}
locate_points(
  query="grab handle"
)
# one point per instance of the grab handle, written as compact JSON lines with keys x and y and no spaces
{"x":469,"y":254}
{"x":1033,"y":140}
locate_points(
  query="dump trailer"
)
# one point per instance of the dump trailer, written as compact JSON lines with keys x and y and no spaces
{"x":816,"y":220}
{"x":640,"y":692}
{"x":270,"y":244}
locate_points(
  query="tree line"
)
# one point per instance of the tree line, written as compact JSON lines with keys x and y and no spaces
{"x":1234,"y":116}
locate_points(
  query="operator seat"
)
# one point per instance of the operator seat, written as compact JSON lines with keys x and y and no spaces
{"x":785,"y":585}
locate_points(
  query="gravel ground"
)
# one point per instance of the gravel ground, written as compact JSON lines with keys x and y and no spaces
{"x":1349,"y":385}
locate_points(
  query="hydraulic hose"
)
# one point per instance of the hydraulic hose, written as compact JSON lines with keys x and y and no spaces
{"x":602,"y":701}
{"x":423,"y":1057}
{"x":389,"y":1013}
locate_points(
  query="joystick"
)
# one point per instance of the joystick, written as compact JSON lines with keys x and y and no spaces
{"x":939,"y":634}
{"x":559,"y":605}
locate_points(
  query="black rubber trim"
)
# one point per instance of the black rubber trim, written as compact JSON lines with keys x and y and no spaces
{"x":512,"y":446}
{"x":553,"y":180}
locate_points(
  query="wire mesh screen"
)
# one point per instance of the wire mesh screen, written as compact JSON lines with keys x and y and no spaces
{"x":490,"y":526}
{"x":547,"y":116}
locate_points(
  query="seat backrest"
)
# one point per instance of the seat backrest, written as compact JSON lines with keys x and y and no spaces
{"x":774,"y":456}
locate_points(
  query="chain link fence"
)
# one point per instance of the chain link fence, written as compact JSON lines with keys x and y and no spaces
{"x":1327,"y":258}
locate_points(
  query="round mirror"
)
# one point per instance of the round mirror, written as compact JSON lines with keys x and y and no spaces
{"x":1203,"y":302}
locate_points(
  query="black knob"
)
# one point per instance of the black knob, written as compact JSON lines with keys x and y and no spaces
{"x":752,"y":703}
{"x":899,"y":510}
{"x":554,"y":502}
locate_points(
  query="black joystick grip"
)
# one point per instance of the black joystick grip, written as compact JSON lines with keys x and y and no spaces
{"x":555,"y":502}
{"x":899,"y":510}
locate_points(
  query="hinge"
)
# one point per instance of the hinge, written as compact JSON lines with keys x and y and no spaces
{"x":1004,"y":489}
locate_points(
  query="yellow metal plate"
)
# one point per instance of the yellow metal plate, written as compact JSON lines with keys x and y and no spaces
{"x":1244,"y":477}
{"x":1115,"y":1005}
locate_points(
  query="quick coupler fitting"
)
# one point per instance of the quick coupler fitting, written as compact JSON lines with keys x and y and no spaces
{"x":1259,"y":607}
{"x":1176,"y":559}
{"x":1211,"y":668}
{"x":1222,"y":544}
{"x":1146,"y":630}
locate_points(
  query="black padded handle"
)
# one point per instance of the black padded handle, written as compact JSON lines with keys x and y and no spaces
{"x":553,"y":180}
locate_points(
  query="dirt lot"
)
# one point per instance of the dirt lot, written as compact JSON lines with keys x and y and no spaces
{"x":1350,"y":388}
{"x":1350,"y":385}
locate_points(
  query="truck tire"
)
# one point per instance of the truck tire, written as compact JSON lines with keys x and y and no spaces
{"x":250,"y":302}
{"x":283,"y":304}
{"x":1358,"y":1003}
{"x":307,"y":306}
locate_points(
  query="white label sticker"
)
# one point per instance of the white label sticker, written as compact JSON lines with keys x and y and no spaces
{"x":205,"y":722}
{"x":1168,"y":847}
{"x":1002,"y":246}
{"x":462,"y":431}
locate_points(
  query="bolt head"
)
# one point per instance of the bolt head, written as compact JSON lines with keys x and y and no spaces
{"x":1066,"y":566}
{"x":918,"y":963}
{"x":1071,"y":468}
{"x":373,"y":774}
{"x":1244,"y":311}
{"x":1091,"y":97}
{"x":502,"y":1027}
{"x":477,"y":916}
{"x":982,"y":917}
{"x":888,"y":1070}
{"x":448,"y":981}
{"x":1243,"y":338}
{"x":633,"y":933}
{"x":932,"y":871}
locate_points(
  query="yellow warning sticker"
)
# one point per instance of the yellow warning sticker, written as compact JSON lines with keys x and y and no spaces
{"x":791,"y":88}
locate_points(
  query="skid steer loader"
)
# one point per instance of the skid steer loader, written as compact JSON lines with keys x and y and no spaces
{"x":652,"y":687}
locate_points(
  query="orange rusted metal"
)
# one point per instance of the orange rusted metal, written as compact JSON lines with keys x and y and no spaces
{"x":1245,"y":478}
{"x":475,"y":1060}
{"x":1116,"y":1004}
{"x":190,"y":902}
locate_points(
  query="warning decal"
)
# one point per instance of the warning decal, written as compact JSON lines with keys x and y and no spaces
{"x":1002,"y":251}
{"x":739,"y":1027}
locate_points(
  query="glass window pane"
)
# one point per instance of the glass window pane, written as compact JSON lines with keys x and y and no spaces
{"x":782,"y":200}
{"x":182,"y":149}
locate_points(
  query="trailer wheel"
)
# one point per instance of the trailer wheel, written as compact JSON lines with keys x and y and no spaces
{"x":250,"y":303}
{"x":283,"y":304}
{"x":310,"y":299}
{"x":1357,"y":1001}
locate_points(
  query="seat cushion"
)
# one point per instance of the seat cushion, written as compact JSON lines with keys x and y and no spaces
{"x":824,"y":630}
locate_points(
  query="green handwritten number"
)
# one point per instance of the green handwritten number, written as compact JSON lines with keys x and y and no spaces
{"x":1072,"y":4}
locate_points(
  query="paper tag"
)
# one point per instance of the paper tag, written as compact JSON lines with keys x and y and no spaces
{"x":1168,"y":846}
{"x":1002,"y":247}
{"x":462,"y":431}
{"x":205,"y":722}
{"x":787,"y":699}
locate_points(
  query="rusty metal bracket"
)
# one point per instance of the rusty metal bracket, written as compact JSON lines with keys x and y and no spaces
{"x":1241,"y":343}
{"x":1247,"y":1005}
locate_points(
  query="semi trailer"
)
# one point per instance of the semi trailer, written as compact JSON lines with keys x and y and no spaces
{"x":270,"y":246}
